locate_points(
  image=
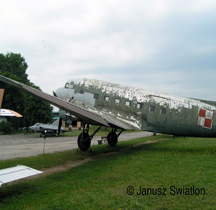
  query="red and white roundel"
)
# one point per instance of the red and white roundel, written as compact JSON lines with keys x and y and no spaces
{"x":205,"y":118}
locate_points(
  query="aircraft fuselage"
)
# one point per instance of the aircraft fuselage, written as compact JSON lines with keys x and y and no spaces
{"x":142,"y":109}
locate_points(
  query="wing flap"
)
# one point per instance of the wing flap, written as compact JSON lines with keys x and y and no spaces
{"x":80,"y":113}
{"x":15,"y":173}
{"x":119,"y":123}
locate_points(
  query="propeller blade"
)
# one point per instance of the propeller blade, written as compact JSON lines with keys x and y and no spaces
{"x":54,"y":94}
{"x":59,"y":125}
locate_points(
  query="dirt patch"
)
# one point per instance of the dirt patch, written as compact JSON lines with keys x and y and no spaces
{"x":73,"y":164}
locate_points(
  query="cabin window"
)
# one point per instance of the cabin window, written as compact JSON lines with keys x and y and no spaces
{"x":106,"y":98}
{"x":96,"y":96}
{"x":66,"y":85}
{"x":152,"y":108}
{"x":128,"y":103}
{"x":81,"y":91}
{"x":139,"y":106}
{"x":163,"y":111}
{"x":117,"y":101}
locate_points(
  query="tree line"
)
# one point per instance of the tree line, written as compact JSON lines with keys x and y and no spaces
{"x":33,"y":109}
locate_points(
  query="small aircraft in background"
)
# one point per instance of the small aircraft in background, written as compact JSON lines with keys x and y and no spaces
{"x":7,"y":112}
{"x":95,"y":102}
{"x":47,"y":129}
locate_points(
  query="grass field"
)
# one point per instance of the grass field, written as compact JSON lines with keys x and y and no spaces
{"x":159,"y":169}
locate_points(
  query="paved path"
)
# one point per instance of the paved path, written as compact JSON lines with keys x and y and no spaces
{"x":14,"y":146}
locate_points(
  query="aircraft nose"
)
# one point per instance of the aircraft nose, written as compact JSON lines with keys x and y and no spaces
{"x":61,"y":93}
{"x":58,"y":92}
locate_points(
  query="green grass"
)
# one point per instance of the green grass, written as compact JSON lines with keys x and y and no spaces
{"x":102,"y":183}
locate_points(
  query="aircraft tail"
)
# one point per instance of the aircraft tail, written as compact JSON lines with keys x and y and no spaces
{"x":1,"y":96}
{"x":55,"y":123}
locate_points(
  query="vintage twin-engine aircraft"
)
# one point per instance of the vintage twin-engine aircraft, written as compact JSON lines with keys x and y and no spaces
{"x":7,"y":112}
{"x":121,"y":107}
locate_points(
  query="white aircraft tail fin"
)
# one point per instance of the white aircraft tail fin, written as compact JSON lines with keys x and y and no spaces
{"x":16,"y":173}
{"x":55,"y":123}
{"x":1,"y":96}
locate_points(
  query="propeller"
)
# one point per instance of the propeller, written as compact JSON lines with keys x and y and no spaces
{"x":59,"y":125}
{"x":54,"y":94}
{"x":60,"y":119}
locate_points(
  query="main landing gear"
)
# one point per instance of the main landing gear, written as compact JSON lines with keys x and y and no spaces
{"x":84,"y":140}
{"x":112,"y":137}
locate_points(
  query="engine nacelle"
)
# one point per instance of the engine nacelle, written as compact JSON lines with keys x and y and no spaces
{"x":67,"y":117}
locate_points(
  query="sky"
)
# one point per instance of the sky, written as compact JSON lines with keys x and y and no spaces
{"x":161,"y":45}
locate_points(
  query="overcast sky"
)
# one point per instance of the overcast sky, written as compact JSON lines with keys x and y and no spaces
{"x":167,"y":46}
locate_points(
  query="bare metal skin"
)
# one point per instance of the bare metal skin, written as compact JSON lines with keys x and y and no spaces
{"x":122,"y":107}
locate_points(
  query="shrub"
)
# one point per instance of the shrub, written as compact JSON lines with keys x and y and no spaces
{"x":5,"y":126}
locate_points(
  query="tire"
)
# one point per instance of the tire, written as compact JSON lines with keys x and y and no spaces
{"x":83,"y":142}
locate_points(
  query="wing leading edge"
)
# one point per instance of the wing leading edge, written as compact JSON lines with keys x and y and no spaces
{"x":80,"y":113}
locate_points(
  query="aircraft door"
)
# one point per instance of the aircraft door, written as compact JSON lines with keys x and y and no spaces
{"x":162,"y":116}
{"x":152,"y":114}
{"x":157,"y":115}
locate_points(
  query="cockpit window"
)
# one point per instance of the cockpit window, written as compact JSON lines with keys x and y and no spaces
{"x":67,"y":85}
{"x":71,"y":85}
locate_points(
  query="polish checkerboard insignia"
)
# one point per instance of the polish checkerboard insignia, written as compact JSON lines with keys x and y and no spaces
{"x":205,"y":118}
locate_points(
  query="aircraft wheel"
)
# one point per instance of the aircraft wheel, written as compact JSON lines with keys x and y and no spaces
{"x":83,"y":141}
{"x":112,"y":139}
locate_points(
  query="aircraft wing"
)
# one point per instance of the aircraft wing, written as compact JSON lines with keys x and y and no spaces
{"x":9,"y":113}
{"x":121,"y":123}
{"x":16,"y":173}
{"x":80,"y":113}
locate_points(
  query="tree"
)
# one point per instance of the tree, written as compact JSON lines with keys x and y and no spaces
{"x":36,"y":110}
{"x":14,"y":66}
